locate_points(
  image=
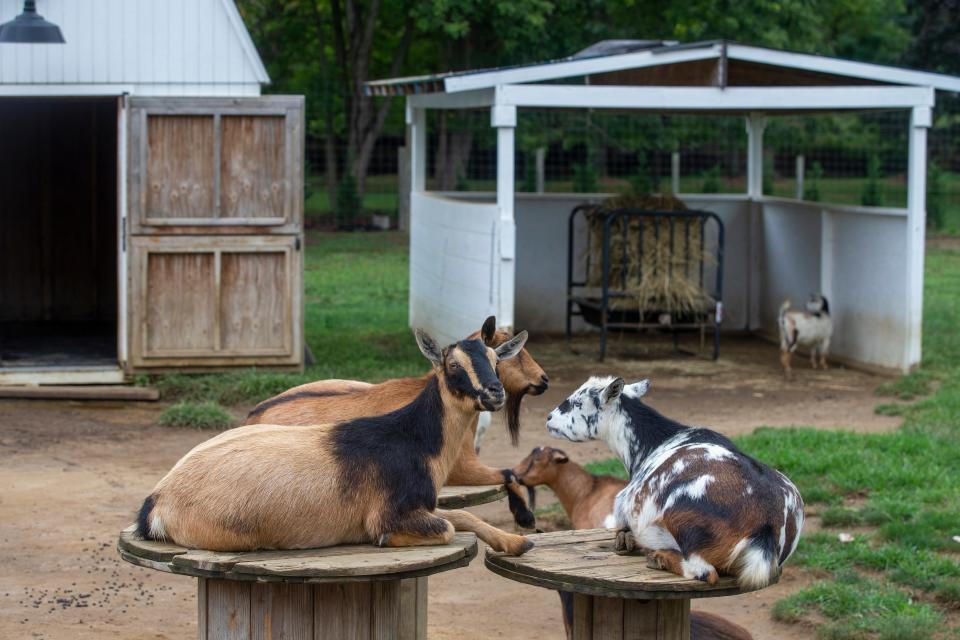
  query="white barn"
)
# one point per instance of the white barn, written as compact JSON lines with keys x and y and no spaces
{"x":503,"y":253}
{"x":152,"y":214}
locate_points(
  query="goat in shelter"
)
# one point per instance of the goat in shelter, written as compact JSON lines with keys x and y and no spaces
{"x":372,"y":479}
{"x":336,"y":400}
{"x":812,"y":329}
{"x":588,"y":500}
{"x":695,"y":503}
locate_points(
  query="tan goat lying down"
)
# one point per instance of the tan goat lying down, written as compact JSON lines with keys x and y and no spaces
{"x":371,"y":479}
{"x":336,"y":400}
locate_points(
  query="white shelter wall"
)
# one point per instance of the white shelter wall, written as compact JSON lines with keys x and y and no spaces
{"x":452,"y":262}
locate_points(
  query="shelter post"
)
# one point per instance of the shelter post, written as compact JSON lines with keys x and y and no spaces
{"x":504,"y":119}
{"x":920,"y":120}
{"x":417,"y":143}
{"x":756,"y":123}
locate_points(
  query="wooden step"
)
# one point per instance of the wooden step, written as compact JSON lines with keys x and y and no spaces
{"x":81,"y":392}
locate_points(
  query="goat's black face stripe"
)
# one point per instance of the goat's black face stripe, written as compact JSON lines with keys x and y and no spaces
{"x":290,"y":397}
{"x":458,"y":381}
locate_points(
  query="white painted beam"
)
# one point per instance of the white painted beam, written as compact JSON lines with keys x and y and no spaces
{"x":739,"y":99}
{"x":462,"y":100}
{"x":504,"y":119}
{"x":756,"y":123}
{"x":920,"y":121}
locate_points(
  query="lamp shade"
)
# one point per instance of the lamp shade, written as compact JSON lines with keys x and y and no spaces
{"x":30,"y":26}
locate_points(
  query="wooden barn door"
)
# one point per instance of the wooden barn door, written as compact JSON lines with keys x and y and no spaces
{"x":215,"y":220}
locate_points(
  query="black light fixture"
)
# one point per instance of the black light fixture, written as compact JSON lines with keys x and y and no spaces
{"x":30,"y":26}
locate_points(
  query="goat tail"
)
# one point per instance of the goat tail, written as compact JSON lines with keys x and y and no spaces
{"x":784,"y":308}
{"x":148,"y":523}
{"x":756,"y":566}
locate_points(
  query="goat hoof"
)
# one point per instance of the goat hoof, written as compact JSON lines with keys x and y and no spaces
{"x":653,"y":561}
{"x":625,"y":544}
{"x":526,"y":546}
{"x":383,"y":540}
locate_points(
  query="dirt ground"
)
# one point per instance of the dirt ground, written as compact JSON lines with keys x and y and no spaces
{"x":72,"y":475}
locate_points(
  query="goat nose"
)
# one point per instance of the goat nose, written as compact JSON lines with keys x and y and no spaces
{"x":544,"y":380}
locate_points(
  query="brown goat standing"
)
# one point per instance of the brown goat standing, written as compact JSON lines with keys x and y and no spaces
{"x":372,"y":479}
{"x":588,"y":501}
{"x":336,"y":400}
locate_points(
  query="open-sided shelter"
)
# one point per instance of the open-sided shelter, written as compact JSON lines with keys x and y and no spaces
{"x":475,"y":254}
{"x":151,"y":208}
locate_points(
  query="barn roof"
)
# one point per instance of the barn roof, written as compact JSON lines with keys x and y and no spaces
{"x":669,"y":63}
{"x":152,"y":47}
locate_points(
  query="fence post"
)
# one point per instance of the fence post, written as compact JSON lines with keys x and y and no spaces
{"x":541,"y":162}
{"x":403,"y":188}
{"x":801,"y":165}
{"x":675,"y":172}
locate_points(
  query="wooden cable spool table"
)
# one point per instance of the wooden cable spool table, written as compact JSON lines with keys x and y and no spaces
{"x":351,"y":591}
{"x":614,"y":596}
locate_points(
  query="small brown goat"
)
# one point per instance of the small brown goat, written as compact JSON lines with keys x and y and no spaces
{"x":368,"y":480}
{"x":588,"y":500}
{"x":335,"y":400}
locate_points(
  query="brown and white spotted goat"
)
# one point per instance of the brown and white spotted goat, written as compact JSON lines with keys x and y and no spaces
{"x":695,"y":503}
{"x":811,"y":329}
{"x":588,"y":500}
{"x":368,"y":480}
{"x":335,"y":400}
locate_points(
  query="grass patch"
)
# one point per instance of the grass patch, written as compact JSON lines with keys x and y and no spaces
{"x":856,"y":607}
{"x":611,"y":467}
{"x":893,"y":409}
{"x":197,"y":415}
{"x":908,"y":387}
{"x":356,"y":287}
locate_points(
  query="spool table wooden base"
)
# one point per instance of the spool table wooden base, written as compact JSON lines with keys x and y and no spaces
{"x":613,"y":596}
{"x":356,"y":592}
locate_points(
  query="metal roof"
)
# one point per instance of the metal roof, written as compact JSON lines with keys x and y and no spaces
{"x":610,"y":56}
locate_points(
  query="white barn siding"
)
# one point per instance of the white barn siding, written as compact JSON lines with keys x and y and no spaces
{"x":147,"y":47}
{"x":452,"y":258}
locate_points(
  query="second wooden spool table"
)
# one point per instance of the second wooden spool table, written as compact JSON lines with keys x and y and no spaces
{"x":614,"y":596}
{"x":359,"y":592}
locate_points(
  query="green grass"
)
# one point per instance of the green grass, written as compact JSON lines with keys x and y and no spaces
{"x":899,"y":492}
{"x":197,"y":415}
{"x":356,"y":323}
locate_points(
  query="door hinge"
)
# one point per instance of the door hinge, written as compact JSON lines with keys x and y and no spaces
{"x":296,"y":243}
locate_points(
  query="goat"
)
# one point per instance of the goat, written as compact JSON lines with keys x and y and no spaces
{"x":588,"y":500}
{"x":695,"y":503}
{"x":336,"y":400}
{"x":367,"y":480}
{"x":812,"y":328}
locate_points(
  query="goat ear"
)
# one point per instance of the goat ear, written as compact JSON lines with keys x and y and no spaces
{"x":489,"y":330}
{"x":560,"y":457}
{"x":639,"y":389}
{"x":511,"y":347}
{"x":613,"y":390}
{"x":429,"y":347}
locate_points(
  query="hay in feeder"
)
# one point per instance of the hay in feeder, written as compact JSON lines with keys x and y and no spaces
{"x":655,"y":261}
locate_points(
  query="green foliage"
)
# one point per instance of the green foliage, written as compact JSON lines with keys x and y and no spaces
{"x":872,"y":194}
{"x":642,"y":181}
{"x":936,"y":196}
{"x":811,"y":189}
{"x":711,"y":180}
{"x":768,"y":173}
{"x":529,"y":183}
{"x":348,"y":200}
{"x":608,"y":467}
{"x":196,"y":415}
{"x":584,"y":177}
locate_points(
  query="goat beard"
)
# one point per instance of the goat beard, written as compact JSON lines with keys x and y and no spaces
{"x":512,"y":409}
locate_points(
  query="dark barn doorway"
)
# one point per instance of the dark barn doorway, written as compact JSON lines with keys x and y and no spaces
{"x":58,"y":232}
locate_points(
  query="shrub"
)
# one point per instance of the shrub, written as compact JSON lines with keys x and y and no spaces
{"x":936,"y":196}
{"x":811,"y":191}
{"x":711,"y":180}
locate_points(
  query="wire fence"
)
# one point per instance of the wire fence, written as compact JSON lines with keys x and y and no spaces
{"x":857,"y":159}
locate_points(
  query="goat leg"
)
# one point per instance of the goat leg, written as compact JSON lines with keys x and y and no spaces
{"x":498,"y":540}
{"x":469,"y":471}
{"x":420,"y":528}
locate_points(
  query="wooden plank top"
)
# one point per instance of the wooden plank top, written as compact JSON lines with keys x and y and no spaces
{"x":584,"y":561}
{"x":345,"y":563}
{"x":458,"y":497}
